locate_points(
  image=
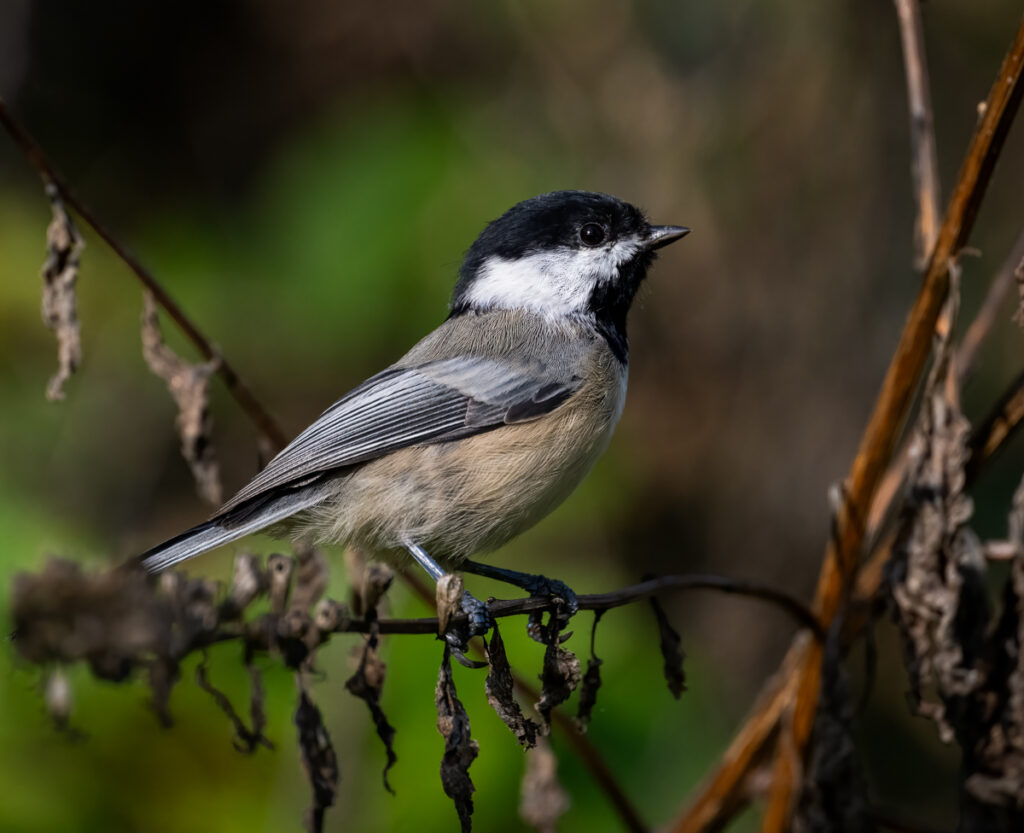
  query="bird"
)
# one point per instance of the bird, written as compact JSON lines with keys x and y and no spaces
{"x":486,"y":425}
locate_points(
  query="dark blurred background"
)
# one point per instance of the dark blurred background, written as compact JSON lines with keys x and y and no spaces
{"x":304,"y":178}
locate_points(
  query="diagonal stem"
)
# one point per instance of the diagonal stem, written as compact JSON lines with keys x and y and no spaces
{"x":924,"y":162}
{"x":265,"y":424}
{"x":908,"y":363}
{"x":723,"y":794}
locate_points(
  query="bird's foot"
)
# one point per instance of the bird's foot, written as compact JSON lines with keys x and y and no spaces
{"x":478,"y":622}
{"x":566,"y":605}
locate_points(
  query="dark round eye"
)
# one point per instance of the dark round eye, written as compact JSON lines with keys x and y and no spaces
{"x":592,"y":234}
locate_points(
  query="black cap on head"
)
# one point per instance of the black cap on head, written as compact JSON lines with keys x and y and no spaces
{"x":600,"y":250}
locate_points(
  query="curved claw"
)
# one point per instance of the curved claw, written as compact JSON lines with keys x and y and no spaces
{"x":563,"y":612}
{"x":479,"y":622}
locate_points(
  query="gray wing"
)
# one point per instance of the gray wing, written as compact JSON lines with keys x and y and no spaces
{"x":401,"y":407}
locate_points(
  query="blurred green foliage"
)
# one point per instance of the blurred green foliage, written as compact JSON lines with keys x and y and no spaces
{"x":344,"y":275}
{"x":304,"y":180}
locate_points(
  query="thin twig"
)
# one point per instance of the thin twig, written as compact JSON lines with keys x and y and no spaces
{"x":924,"y":163}
{"x":991,"y":434}
{"x":268,"y":429}
{"x":961,"y":365}
{"x":501,"y":608}
{"x":988,"y":312}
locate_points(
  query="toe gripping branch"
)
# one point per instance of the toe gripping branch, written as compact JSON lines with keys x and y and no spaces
{"x":537,"y":586}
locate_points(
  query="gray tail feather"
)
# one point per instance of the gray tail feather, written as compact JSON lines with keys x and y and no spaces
{"x":248,"y":518}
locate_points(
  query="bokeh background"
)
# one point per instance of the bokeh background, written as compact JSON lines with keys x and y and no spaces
{"x":304,"y":177}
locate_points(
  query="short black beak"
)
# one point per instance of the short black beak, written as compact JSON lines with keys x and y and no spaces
{"x":663,"y":235}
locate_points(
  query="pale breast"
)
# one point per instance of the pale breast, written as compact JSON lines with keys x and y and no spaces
{"x":470,"y":496}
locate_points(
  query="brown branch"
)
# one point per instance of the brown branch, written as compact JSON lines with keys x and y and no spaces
{"x":501,"y":608}
{"x":724,"y":793}
{"x":902,"y":378}
{"x":924,"y":165}
{"x":961,"y":366}
{"x":587,"y":752}
{"x":993,"y":432}
{"x":268,"y":429}
{"x":719,"y":798}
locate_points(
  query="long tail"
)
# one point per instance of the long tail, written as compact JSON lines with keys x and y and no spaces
{"x":248,"y":518}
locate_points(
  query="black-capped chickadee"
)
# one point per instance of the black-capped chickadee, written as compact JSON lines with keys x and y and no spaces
{"x":487,"y":424}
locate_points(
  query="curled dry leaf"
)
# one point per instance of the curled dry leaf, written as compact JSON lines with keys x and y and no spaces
{"x":591,"y":680}
{"x":189,"y":385}
{"x":110,"y":620}
{"x":377,"y":579}
{"x":318,"y":758}
{"x":460,"y":750}
{"x":936,"y":572}
{"x":367,"y":684}
{"x":60,"y":274}
{"x":310,"y":577}
{"x":559,"y":676}
{"x":257,"y":713}
{"x":280,"y":569}
{"x":57,"y":696}
{"x":499,"y":686}
{"x":833,"y":795}
{"x":246,"y":739}
{"x":368,"y":581}
{"x":248,"y":581}
{"x":448,"y":593}
{"x":542,"y":799}
{"x":672,"y":652}
{"x":996,"y":762}
{"x":330,"y":615}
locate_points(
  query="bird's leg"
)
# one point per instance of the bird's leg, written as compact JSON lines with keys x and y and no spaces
{"x":536,"y":586}
{"x":479,"y":615}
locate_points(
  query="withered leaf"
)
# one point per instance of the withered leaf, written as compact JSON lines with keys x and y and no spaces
{"x":310,"y":577}
{"x":246,"y":739}
{"x":280,"y":569}
{"x":377,"y":579}
{"x":111,"y":620}
{"x":57,"y":696}
{"x":542,"y":800}
{"x":591,"y":680}
{"x":189,"y":386}
{"x":318,"y":758}
{"x":832,"y":792}
{"x":460,"y":750}
{"x":559,"y":676}
{"x":996,"y":765}
{"x":60,"y":274}
{"x":501,"y":694}
{"x":257,"y":714}
{"x":367,"y":684}
{"x":247,"y":582}
{"x":936,"y":572}
{"x":671,"y":651}
{"x":448,"y":594}
{"x":162,"y":675}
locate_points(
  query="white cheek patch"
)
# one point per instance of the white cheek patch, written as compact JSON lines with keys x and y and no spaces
{"x":558,"y":282}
